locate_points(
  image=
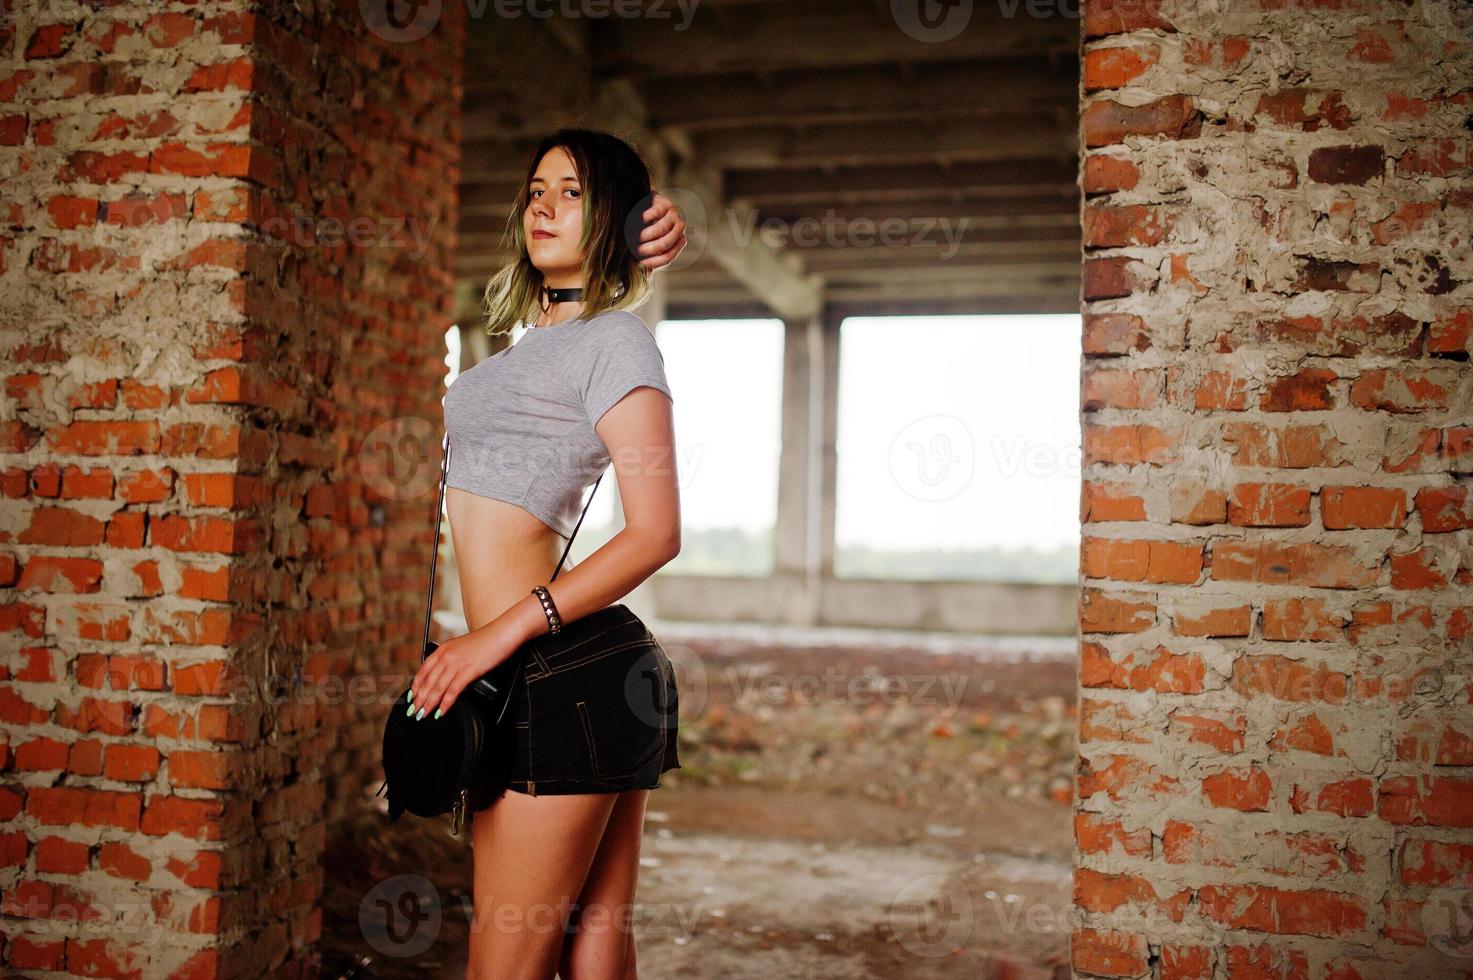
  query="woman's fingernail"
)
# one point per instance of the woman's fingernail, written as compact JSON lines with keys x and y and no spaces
{"x":437,"y":714}
{"x":409,"y":710}
{"x":420,"y":715}
{"x":411,"y":695}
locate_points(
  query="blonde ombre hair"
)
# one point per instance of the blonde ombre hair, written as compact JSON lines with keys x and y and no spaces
{"x":615,"y":190}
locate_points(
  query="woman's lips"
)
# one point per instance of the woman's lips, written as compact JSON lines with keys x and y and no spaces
{"x":543,"y":234}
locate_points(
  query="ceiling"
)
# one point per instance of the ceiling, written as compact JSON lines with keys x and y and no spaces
{"x":885,"y":172}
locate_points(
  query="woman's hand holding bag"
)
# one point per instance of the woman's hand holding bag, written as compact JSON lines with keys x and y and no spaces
{"x":455,"y":665}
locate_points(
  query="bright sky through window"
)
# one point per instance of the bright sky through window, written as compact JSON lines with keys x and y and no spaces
{"x":959,"y":432}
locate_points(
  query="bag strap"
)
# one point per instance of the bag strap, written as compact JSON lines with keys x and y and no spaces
{"x":435,"y":551}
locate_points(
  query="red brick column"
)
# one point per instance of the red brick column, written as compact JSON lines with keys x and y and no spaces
{"x":211,"y":298}
{"x":1276,"y":718}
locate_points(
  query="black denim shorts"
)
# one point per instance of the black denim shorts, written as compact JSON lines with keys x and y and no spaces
{"x":595,"y":709}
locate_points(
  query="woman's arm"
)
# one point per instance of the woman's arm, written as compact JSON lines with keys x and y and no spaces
{"x":639,"y":435}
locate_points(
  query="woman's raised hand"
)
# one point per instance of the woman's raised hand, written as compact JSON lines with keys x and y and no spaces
{"x":663,"y":237}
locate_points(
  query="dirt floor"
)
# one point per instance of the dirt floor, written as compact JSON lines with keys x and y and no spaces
{"x":851,"y":805}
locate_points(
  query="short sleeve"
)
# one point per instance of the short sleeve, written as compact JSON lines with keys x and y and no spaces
{"x":620,"y":355}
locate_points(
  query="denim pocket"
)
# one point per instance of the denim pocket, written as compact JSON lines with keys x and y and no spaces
{"x":583,"y":716}
{"x":623,"y":711}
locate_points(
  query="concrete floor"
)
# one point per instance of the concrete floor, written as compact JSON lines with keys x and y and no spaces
{"x":818,"y":828}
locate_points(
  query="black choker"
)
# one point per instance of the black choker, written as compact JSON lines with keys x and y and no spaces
{"x":570,"y":294}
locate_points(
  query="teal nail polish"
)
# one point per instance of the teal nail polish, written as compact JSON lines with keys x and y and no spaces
{"x":409,"y":710}
{"x":437,"y":714}
{"x":420,"y":715}
{"x":411,"y":695}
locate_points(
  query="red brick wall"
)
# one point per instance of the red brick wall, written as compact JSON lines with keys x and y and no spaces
{"x":195,"y":544}
{"x":1276,"y":718}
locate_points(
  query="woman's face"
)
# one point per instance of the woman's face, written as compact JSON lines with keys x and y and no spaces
{"x":553,"y":221}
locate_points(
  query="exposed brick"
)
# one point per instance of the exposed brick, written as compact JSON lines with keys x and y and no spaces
{"x":1301,"y":620}
{"x":1117,"y":66}
{"x":1402,"y":391}
{"x":1314,"y":912}
{"x":1304,"y":109}
{"x":1360,"y":507}
{"x":1238,"y":790}
{"x":1444,"y":509}
{"x":130,"y":763}
{"x":1102,"y":501}
{"x":197,"y":819}
{"x":1105,"y":174}
{"x":1445,"y":801}
{"x":1321,"y":566}
{"x":1118,"y":226}
{"x":121,"y":861}
{"x":1203,"y":619}
{"x":1346,"y":164}
{"x":84,"y":807}
{"x":62,"y":526}
{"x":1108,"y":122}
{"x":1306,"y":390}
{"x":1268,"y":505}
{"x":1102,"y":613}
{"x":1141,"y":561}
{"x":1225,"y":735}
{"x":106,"y":438}
{"x":67,"y":576}
{"x":1108,"y":954}
{"x":1105,"y":17}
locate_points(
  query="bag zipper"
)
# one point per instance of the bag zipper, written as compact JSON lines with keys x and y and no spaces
{"x":457,"y":814}
{"x":461,"y":806}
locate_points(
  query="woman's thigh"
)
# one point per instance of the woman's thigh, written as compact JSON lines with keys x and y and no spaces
{"x":532,"y":858}
{"x":601,"y":944}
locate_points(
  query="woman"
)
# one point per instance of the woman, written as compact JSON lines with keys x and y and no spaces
{"x":557,"y":857}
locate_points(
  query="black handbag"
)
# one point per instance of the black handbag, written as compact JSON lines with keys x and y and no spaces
{"x":460,"y":762}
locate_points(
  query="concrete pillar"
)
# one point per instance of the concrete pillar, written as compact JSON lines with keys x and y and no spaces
{"x":798,"y":460}
{"x":1275,"y":744}
{"x":806,"y":468}
{"x":826,"y":370}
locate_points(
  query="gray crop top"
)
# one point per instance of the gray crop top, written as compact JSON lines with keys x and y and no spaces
{"x":521,"y":422}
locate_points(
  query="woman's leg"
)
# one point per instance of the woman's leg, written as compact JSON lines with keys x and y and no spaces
{"x":601,"y":947}
{"x":532,"y":856}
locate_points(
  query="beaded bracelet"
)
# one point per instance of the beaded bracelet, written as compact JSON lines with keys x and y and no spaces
{"x":554,"y":623}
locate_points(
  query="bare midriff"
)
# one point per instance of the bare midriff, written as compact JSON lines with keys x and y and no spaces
{"x":501,"y":551}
